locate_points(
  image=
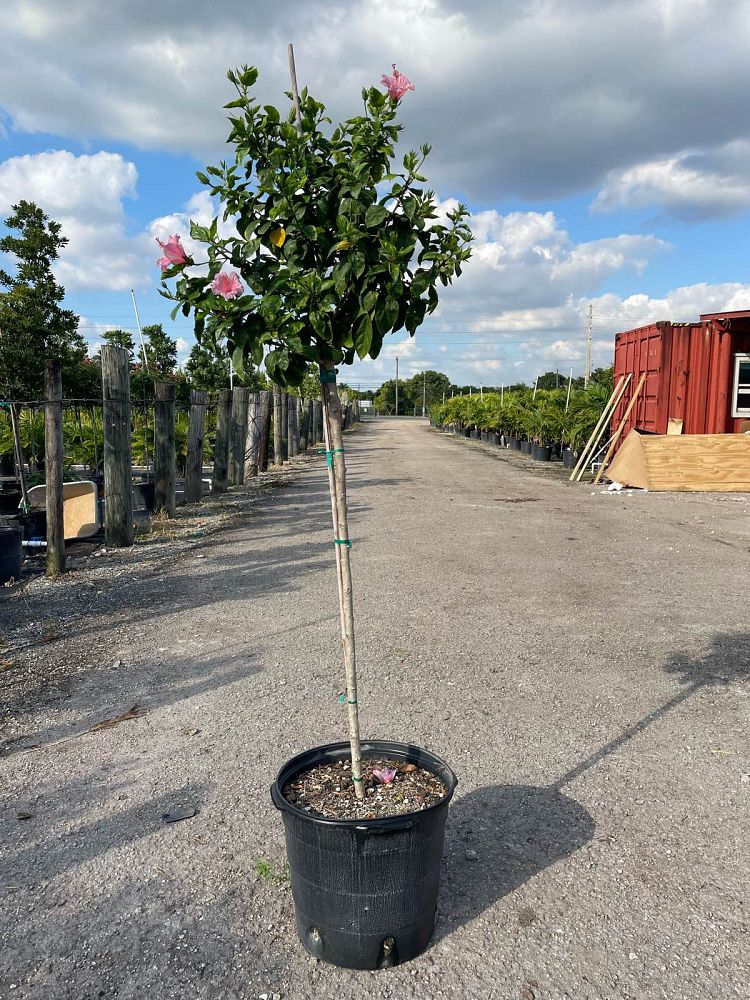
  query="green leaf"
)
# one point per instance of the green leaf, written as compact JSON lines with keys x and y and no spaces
{"x":362,"y":336}
{"x":248,"y":76}
{"x":238,"y":361}
{"x":386,"y":314}
{"x":374,"y":215}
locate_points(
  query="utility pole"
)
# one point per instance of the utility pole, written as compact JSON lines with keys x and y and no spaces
{"x":588,"y":347}
{"x":424,"y":394}
{"x":481,"y":392}
{"x":396,"y":386}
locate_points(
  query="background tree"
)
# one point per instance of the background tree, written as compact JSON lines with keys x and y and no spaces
{"x":385,"y":398}
{"x":431,"y":384}
{"x":205,"y":370}
{"x":33,"y":324}
{"x":161,"y":350}
{"x":121,"y":338}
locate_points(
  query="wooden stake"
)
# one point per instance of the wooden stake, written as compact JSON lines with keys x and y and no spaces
{"x":334,"y":442}
{"x":618,"y":432}
{"x":596,"y":433}
{"x":18,"y":456}
{"x":53,"y":468}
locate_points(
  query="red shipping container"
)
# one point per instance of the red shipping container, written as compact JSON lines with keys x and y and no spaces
{"x":698,"y":373}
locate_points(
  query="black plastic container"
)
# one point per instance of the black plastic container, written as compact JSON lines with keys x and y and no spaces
{"x":365,"y":891}
{"x":143,"y":496}
{"x":526,"y":447}
{"x":568,"y":459}
{"x":11,"y":554}
{"x":542,"y":452}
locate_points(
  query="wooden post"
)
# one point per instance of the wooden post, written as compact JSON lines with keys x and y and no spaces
{"x":334,"y":444}
{"x":264,"y":428}
{"x":221,"y":442}
{"x":606,"y":413}
{"x":196,"y":432}
{"x":317,"y":422}
{"x":237,"y":435}
{"x":53,"y":467}
{"x":164,"y":448}
{"x":252,"y":440}
{"x":278,"y":436}
{"x":285,"y":426}
{"x":616,"y":436}
{"x":305,"y":436}
{"x":118,"y":470}
{"x":292,"y":427}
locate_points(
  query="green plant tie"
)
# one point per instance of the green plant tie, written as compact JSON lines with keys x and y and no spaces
{"x":357,"y":779}
{"x":342,"y":541}
{"x":329,"y":455}
{"x":328,"y":375}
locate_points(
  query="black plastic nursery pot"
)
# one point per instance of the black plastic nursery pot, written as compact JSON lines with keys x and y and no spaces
{"x":568,"y":459}
{"x":11,"y":554}
{"x":365,"y":891}
{"x":526,"y":447}
{"x":542,"y":452}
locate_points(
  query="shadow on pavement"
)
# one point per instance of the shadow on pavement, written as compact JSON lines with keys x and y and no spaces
{"x":499,"y":837}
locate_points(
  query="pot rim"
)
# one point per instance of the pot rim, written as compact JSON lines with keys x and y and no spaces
{"x":337,"y":751}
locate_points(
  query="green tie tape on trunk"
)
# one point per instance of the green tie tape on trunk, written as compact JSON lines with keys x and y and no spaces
{"x":342,"y":541}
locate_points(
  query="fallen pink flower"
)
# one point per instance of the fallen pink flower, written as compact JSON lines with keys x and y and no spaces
{"x":174,"y":253}
{"x":396,"y":85}
{"x":386,"y":776}
{"x":228,"y":286}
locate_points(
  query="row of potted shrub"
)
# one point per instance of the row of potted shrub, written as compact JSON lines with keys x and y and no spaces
{"x":545,"y":424}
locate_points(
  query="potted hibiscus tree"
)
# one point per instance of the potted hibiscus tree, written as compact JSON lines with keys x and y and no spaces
{"x":336,"y":245}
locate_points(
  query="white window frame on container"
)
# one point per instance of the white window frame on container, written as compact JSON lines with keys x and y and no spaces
{"x":737,"y":386}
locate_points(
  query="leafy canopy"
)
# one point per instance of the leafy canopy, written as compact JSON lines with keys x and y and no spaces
{"x":33,"y":324}
{"x":336,"y":246}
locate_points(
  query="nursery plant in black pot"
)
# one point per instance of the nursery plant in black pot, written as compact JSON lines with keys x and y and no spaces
{"x":336,"y":246}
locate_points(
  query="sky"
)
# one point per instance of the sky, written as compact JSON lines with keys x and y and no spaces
{"x":602,"y":146}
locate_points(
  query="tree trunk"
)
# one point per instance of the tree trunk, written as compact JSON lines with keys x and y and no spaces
{"x":53,"y":468}
{"x":334,"y":442}
{"x":292,"y":427}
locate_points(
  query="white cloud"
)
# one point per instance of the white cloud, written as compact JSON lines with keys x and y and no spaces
{"x":515,"y":97}
{"x":691,"y":186}
{"x":85,"y":194}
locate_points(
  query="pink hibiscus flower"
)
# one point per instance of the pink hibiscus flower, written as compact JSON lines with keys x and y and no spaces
{"x":396,"y":85}
{"x":227,"y":285}
{"x":386,"y":776}
{"x":174,"y":253}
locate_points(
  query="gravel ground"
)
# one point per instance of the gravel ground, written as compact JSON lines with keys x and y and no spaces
{"x":579,"y":659}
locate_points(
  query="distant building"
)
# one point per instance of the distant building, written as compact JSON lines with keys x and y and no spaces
{"x":697,"y":375}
